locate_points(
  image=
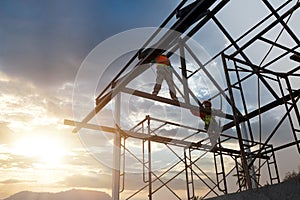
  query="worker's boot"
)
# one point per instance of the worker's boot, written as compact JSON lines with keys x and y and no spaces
{"x":156,"y":89}
{"x":173,"y":96}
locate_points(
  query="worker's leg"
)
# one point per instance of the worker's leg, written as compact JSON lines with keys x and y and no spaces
{"x":156,"y":89}
{"x":159,"y":80}
{"x":213,"y":137}
{"x":213,"y":132}
{"x":170,"y":82}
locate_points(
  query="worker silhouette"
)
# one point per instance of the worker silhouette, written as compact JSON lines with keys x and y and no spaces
{"x":210,"y":123}
{"x":164,"y":71}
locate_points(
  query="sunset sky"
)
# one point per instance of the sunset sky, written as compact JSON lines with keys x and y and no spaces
{"x":43,"y":44}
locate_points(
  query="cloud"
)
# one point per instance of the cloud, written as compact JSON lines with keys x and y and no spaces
{"x":6,"y":134}
{"x":30,"y":107}
{"x":90,"y":157}
{"x":47,"y":42}
{"x":270,"y":120}
{"x":14,"y":181}
{"x":132,"y":181}
{"x":91,"y":180}
{"x":11,"y":160}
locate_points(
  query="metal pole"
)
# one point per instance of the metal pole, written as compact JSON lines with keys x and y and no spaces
{"x":248,"y":150}
{"x":149,"y":160}
{"x":183,"y":72}
{"x":116,"y":152}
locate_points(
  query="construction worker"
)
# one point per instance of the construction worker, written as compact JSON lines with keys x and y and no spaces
{"x":164,"y":71}
{"x":210,"y":124}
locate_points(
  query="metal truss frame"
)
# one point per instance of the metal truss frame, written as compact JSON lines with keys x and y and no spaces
{"x":251,"y":154}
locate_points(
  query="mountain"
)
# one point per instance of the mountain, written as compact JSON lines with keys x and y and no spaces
{"x":70,"y":194}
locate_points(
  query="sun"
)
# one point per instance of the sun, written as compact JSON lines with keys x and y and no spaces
{"x":45,"y":149}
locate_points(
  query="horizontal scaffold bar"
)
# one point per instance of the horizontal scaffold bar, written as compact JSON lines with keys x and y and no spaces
{"x":154,"y":138}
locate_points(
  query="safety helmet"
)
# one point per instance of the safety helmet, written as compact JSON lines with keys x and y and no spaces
{"x":162,"y":59}
{"x":207,"y":103}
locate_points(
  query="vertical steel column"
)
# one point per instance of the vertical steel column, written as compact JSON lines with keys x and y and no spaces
{"x":122,"y":167}
{"x":237,"y":125}
{"x":238,"y":173}
{"x":149,"y":159}
{"x":116,"y":152}
{"x":183,"y":72}
{"x":272,"y":161}
{"x":248,"y":150}
{"x":222,"y":172}
{"x":145,"y":162}
{"x":189,"y":173}
{"x":240,"y":87}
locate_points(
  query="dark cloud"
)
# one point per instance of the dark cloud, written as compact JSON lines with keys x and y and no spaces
{"x":270,"y":121}
{"x":262,"y":132}
{"x":46,"y":42}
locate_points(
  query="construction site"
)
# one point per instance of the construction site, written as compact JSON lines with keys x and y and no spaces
{"x":160,"y":136}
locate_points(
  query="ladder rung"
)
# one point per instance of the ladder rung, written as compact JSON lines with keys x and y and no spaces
{"x":275,"y":178}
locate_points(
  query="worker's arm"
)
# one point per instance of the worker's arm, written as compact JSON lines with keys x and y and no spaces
{"x":218,"y":112}
{"x":198,"y":113}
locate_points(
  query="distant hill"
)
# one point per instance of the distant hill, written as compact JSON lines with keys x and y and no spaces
{"x":70,"y":194}
{"x":287,"y":190}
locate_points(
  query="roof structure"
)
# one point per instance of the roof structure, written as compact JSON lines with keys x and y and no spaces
{"x":255,"y":86}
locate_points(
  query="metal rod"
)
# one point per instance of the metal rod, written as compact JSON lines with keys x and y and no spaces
{"x":149,"y":160}
{"x":282,"y":22}
{"x":287,"y":13}
{"x":116,"y":152}
{"x":183,"y":72}
{"x":241,"y":37}
{"x":272,"y":134}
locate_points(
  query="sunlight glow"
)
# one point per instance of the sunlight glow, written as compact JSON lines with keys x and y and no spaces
{"x":49,"y":151}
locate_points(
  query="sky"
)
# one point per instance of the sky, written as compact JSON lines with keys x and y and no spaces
{"x":43,"y":46}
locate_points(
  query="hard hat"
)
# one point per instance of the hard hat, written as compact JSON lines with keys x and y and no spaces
{"x":207,"y":102}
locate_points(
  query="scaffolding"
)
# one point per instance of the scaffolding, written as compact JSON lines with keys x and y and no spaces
{"x":245,"y":154}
